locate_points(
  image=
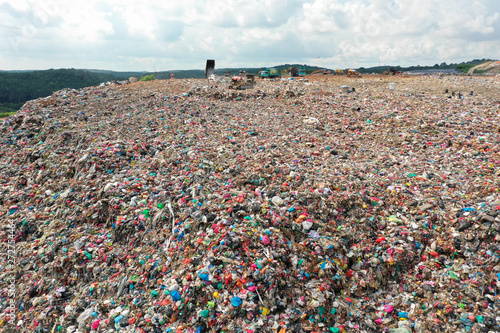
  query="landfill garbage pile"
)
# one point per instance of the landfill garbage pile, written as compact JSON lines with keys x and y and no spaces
{"x":181,"y":206}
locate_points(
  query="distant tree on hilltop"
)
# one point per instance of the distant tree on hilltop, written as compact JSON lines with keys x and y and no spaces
{"x":149,"y":77}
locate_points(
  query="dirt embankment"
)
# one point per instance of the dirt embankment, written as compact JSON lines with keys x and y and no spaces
{"x":490,"y":67}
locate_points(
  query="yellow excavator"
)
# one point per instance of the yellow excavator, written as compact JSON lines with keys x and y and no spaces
{"x":352,"y":73}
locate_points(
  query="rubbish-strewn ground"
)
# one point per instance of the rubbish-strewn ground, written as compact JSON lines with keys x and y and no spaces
{"x":182,"y":206}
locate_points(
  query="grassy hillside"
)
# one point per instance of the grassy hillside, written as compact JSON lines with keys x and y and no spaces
{"x":7,"y":109}
{"x":489,"y":68}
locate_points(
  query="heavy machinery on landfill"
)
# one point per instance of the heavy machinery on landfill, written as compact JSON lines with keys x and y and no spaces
{"x":298,"y":71}
{"x":321,"y":71}
{"x":302,"y":70}
{"x":391,"y":71}
{"x":242,"y":82}
{"x":352,"y":73}
{"x":274,"y":73}
{"x":339,"y":72}
{"x":270,"y":73}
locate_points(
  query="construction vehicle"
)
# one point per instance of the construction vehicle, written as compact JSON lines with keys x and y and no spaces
{"x":270,"y":73}
{"x":274,"y":73}
{"x":391,"y":71}
{"x":297,"y":71}
{"x":321,"y":71}
{"x":339,"y":72}
{"x":352,"y":73}
{"x":302,"y":70}
{"x":242,"y":82}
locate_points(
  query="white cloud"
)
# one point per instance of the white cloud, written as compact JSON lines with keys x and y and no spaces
{"x":152,"y":35}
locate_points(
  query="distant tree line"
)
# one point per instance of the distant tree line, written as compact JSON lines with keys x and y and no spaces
{"x":21,"y":87}
{"x":17,"y":88}
{"x":462,"y":67}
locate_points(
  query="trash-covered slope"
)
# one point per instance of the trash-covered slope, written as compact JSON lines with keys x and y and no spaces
{"x":181,"y":206}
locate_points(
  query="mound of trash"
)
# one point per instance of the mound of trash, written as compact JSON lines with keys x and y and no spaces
{"x":182,"y":206}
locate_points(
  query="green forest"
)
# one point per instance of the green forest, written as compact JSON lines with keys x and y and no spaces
{"x":19,"y":87}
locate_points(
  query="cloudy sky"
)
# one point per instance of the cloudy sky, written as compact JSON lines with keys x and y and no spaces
{"x":157,"y":35}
